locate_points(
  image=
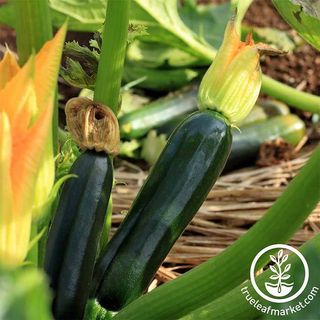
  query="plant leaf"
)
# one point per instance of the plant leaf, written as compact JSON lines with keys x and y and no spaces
{"x":90,"y":12}
{"x":24,"y":295}
{"x":303,"y":16}
{"x":207,"y":21}
{"x":164,"y":25}
{"x":280,"y":254}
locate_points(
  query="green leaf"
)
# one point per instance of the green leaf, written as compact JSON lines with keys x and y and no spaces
{"x":7,"y":16}
{"x":159,"y":79}
{"x":164,"y":25}
{"x":86,"y":12}
{"x":81,"y":65}
{"x":24,"y":295}
{"x":207,"y":21}
{"x":158,"y":55}
{"x":152,"y":146}
{"x":303,"y":16}
{"x":279,"y":39}
{"x":221,"y":274}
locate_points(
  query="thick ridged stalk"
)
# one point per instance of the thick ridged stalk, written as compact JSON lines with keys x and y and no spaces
{"x":221,"y":274}
{"x":114,"y":43}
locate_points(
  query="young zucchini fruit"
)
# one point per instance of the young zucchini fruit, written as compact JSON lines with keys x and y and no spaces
{"x":81,"y":213}
{"x":75,"y":233}
{"x":138,"y":123}
{"x":178,"y":184}
{"x":247,"y":141}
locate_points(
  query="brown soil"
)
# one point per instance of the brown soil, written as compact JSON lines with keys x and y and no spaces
{"x":299,"y":69}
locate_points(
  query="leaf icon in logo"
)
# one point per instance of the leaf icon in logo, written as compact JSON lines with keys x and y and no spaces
{"x":280,"y":254}
{"x":273,"y":258}
{"x":284,"y":259}
{"x":273,"y":269}
{"x":287,"y":268}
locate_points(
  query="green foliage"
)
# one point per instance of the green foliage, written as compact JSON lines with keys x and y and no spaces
{"x":24,"y":295}
{"x":277,"y":38}
{"x":152,"y":146}
{"x":303,"y":16}
{"x":207,"y":21}
{"x":68,"y":154}
{"x":81,"y":65}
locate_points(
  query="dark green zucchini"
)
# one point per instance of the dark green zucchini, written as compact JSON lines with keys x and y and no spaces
{"x":247,"y":141}
{"x":160,"y":80}
{"x":177,"y":186}
{"x":137,"y":123}
{"x":75,"y":233}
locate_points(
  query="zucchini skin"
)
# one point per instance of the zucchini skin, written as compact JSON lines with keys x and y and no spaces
{"x":138,"y":123}
{"x":75,"y":233}
{"x":247,"y":141}
{"x":174,"y":191}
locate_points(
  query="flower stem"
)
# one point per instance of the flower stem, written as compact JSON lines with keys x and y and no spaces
{"x":291,"y":96}
{"x":114,"y":42}
{"x":110,"y":69}
{"x":300,"y":100}
{"x":33,"y":26}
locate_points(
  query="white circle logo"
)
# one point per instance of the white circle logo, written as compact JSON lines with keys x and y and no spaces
{"x":279,"y":285}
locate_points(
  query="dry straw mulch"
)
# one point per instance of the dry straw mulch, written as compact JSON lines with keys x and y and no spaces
{"x":236,"y":202}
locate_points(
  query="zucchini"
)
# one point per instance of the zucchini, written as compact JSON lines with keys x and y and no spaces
{"x":247,"y":141}
{"x":159,"y":79}
{"x":137,"y":123}
{"x":178,"y":184}
{"x":75,"y":233}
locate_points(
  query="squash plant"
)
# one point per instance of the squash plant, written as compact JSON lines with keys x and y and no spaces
{"x":195,"y":155}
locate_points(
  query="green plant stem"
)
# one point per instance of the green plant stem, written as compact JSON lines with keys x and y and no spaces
{"x":301,"y":100}
{"x":291,"y":96}
{"x":33,"y":26}
{"x":233,"y":305}
{"x":110,"y":69}
{"x":229,"y":269}
{"x":33,"y":29}
{"x":106,"y":227}
{"x":114,"y":43}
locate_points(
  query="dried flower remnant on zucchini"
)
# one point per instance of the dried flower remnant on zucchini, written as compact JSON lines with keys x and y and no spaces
{"x":93,"y":125}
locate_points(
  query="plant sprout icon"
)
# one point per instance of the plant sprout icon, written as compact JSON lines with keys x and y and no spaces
{"x":280,"y":288}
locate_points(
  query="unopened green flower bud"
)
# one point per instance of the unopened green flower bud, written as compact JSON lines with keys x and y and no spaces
{"x":232,"y":83}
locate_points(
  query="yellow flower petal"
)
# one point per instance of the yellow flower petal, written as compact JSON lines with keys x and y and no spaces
{"x":47,"y":67}
{"x":6,"y":203}
{"x":26,"y":158}
{"x":8,"y":68}
{"x":14,"y":97}
{"x":5,"y":161}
